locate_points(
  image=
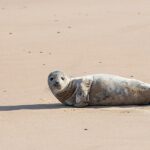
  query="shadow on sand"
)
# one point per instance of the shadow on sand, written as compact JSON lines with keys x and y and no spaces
{"x":58,"y":106}
{"x":32,"y":107}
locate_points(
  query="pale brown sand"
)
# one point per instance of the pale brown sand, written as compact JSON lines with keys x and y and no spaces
{"x":79,"y":37}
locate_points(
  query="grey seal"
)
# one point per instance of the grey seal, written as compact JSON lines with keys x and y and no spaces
{"x":98,"y":89}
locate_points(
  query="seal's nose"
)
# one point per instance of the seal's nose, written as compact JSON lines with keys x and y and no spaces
{"x":56,"y":83}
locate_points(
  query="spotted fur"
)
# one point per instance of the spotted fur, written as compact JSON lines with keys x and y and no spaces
{"x":67,"y":93}
{"x":99,"y":89}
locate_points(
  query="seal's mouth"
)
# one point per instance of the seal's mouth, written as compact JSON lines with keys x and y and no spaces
{"x":57,"y":86}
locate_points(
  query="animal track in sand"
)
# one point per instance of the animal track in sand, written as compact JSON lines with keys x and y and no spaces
{"x":58,"y":32}
{"x":49,"y":53}
{"x":69,"y":27}
{"x":24,"y":7}
{"x":56,"y":20}
{"x":85,"y":129}
{"x":4,"y":91}
{"x":131,"y":76}
{"x":139,"y":13}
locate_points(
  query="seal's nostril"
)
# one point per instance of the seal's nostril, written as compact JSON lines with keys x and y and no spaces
{"x":56,"y":82}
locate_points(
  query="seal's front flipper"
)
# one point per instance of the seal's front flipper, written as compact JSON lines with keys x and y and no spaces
{"x":82,"y":95}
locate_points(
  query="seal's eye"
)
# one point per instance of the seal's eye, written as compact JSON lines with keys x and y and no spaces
{"x":62,"y":78}
{"x":51,"y":79}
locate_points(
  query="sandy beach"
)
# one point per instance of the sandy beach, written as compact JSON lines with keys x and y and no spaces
{"x":78,"y":37}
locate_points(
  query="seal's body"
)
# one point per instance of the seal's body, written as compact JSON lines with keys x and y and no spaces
{"x":100,"y":89}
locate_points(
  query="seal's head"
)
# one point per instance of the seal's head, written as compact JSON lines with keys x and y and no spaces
{"x":58,"y":81}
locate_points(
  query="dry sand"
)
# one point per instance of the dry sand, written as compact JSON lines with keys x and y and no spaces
{"x":79,"y":37}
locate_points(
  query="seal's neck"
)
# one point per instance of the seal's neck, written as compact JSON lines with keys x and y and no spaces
{"x":66,"y":93}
